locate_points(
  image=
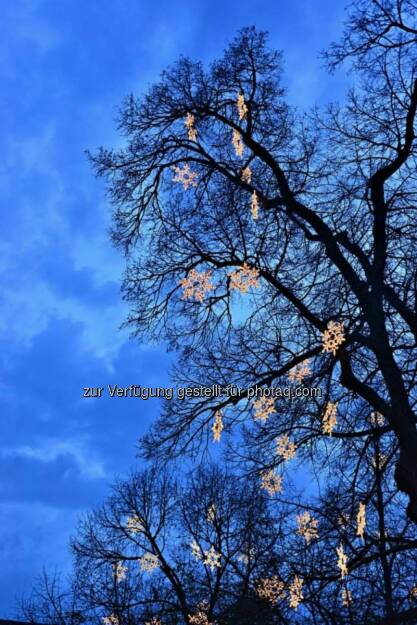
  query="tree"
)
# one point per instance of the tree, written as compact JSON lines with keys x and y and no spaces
{"x":163,"y":549}
{"x":258,"y":238}
{"x":217,"y":548}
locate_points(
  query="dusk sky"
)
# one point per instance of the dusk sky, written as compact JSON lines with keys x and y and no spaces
{"x":65,"y":67}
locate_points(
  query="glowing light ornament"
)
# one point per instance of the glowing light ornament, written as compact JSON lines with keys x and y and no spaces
{"x":195,"y":550}
{"x":264,"y":407}
{"x":244,"y":278}
{"x":271,"y":482}
{"x":189,"y":124}
{"x":134,"y":524}
{"x":217,"y":427}
{"x":120,"y":571}
{"x":333,"y":337}
{"x":148,"y":562}
{"x":241,"y":106}
{"x":238,"y":143}
{"x":271,"y":588}
{"x":154,"y":621}
{"x":196,"y":285}
{"x":361,"y":521}
{"x":307,"y":526}
{"x":342,"y":561}
{"x":110,"y":620}
{"x":200,"y":617}
{"x":376,"y":418}
{"x":413,"y":593}
{"x":329,"y":418}
{"x":299,"y":372}
{"x":185,"y":176}
{"x":246,"y":175}
{"x":244,"y":557}
{"x":285,"y":447}
{"x":254,"y":206}
{"x":212,"y":558}
{"x":346,"y":597}
{"x":296,"y":592}
{"x":211,"y":513}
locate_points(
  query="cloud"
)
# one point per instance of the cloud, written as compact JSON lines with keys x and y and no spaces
{"x":50,"y":450}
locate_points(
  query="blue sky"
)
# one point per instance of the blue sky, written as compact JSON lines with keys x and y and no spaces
{"x":65,"y":65}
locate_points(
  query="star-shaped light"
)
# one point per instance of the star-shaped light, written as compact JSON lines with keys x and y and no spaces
{"x":244,"y":278}
{"x":212,"y":558}
{"x":271,"y":588}
{"x":185,"y":176}
{"x":134,"y":524}
{"x":271,"y":482}
{"x":196,"y":285}
{"x":285,"y":447}
{"x":299,"y":372}
{"x":148,"y":562}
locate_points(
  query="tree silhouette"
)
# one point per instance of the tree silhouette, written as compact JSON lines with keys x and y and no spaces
{"x":223,"y":550}
{"x":252,"y":229}
{"x":273,"y":250}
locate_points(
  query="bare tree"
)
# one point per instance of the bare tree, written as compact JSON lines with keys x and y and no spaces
{"x":224,"y":192}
